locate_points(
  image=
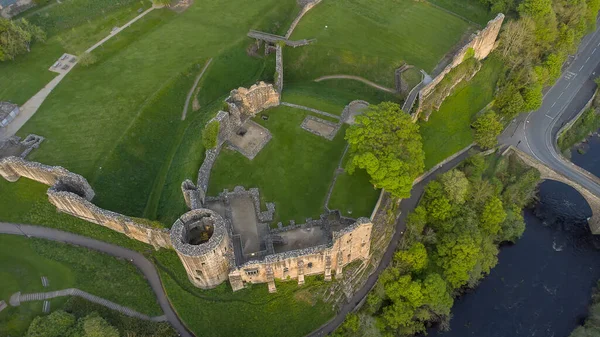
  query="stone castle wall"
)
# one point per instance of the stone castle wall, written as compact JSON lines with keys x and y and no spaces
{"x":72,"y":194}
{"x":482,"y":43}
{"x":349,"y":244}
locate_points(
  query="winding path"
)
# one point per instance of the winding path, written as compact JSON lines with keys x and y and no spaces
{"x":406,"y":206}
{"x":356,"y":78}
{"x":189,"y":95}
{"x":17,"y":298}
{"x":145,"y":266}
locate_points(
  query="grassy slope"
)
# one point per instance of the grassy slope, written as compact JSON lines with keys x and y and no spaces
{"x":293,"y":170}
{"x":353,"y":195}
{"x":23,"y":261}
{"x":587,"y":123}
{"x":448,"y":130}
{"x":473,"y":10}
{"x":23,"y":77}
{"x":292,"y":311}
{"x":97,"y":116}
{"x":371,"y":38}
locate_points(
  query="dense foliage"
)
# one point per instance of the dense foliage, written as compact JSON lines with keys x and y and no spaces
{"x":450,"y":244}
{"x":62,"y":324}
{"x":16,"y":36}
{"x":586,"y":124}
{"x":591,"y":327}
{"x":386,"y":143}
{"x":487,"y":128}
{"x":535,"y":45}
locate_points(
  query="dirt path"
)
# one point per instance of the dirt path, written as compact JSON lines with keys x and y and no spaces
{"x":189,"y":95}
{"x":356,"y":78}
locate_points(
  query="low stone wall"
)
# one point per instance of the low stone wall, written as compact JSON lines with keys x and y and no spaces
{"x":279,"y":68}
{"x":482,"y":43}
{"x":16,"y":8}
{"x":72,"y":194}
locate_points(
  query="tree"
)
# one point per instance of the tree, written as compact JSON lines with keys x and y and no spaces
{"x":87,"y":59}
{"x":492,"y":216}
{"x":54,"y":325}
{"x":456,"y":185}
{"x":16,"y":36}
{"x":436,"y":295}
{"x":386,"y":143}
{"x":487,"y":129}
{"x":457,"y":255}
{"x":436,"y":202}
{"x":513,"y":226}
{"x":533,"y":96}
{"x":415,"y":258}
{"x":96,"y":326}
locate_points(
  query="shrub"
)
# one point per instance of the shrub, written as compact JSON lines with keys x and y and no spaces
{"x":210,"y":135}
{"x":87,"y":59}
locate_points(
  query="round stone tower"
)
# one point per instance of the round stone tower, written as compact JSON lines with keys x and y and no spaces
{"x":201,"y":240}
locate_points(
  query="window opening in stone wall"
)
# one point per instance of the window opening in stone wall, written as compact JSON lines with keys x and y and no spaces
{"x":310,"y":265}
{"x":199,"y":272}
{"x":285,"y":269}
{"x":252,"y":272}
{"x":348,"y":257}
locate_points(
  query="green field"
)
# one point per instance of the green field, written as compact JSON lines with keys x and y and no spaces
{"x":293,"y":311}
{"x":448,"y":130}
{"x":371,"y":38}
{"x":472,"y":10}
{"x":24,"y":261}
{"x":293,"y":170}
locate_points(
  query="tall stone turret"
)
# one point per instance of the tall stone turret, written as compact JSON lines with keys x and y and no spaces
{"x":202,"y":242}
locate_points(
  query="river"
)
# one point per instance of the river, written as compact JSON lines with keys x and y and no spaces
{"x":542,"y":284}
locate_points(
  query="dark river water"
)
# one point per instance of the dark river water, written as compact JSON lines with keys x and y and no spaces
{"x":541,"y":285}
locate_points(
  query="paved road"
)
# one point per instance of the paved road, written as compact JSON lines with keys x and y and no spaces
{"x":406,"y":206}
{"x":535,"y":133}
{"x":145,"y":266}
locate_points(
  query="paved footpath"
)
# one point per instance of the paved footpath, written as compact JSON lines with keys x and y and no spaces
{"x":406,"y":206}
{"x":145,"y":266}
{"x":17,"y":298}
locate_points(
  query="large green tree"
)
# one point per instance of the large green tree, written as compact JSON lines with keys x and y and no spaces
{"x":487,"y":128}
{"x":16,"y":37}
{"x":386,"y":143}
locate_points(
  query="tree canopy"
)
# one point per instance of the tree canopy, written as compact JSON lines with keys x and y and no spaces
{"x":16,"y":37}
{"x":386,"y":143}
{"x":487,"y":129}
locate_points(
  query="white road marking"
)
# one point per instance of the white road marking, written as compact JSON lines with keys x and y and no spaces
{"x":586,"y":61}
{"x":553,"y":105}
{"x":594,"y":50}
{"x":561,"y":94}
{"x":568,"y":85}
{"x":580,"y":69}
{"x":548,"y":116}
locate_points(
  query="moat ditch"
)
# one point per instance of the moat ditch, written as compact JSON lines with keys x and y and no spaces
{"x":542,"y":284}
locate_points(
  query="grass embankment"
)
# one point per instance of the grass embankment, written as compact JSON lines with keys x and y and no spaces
{"x":24,"y":261}
{"x":354,"y":195}
{"x":591,"y":326}
{"x":292,"y":311}
{"x":97,"y":121}
{"x":293,"y":170}
{"x":22,"y":78}
{"x":587,"y":123}
{"x":334,"y":94}
{"x":448,"y":130}
{"x":371,"y":38}
{"x":473,"y":10}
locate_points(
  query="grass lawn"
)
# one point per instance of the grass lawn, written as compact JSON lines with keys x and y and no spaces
{"x":448,"y":130}
{"x":473,"y":10}
{"x":293,"y":170}
{"x":23,"y":261}
{"x":371,"y":38}
{"x":353,"y":195}
{"x":292,"y":311}
{"x":118,"y":123}
{"x":23,"y":77}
